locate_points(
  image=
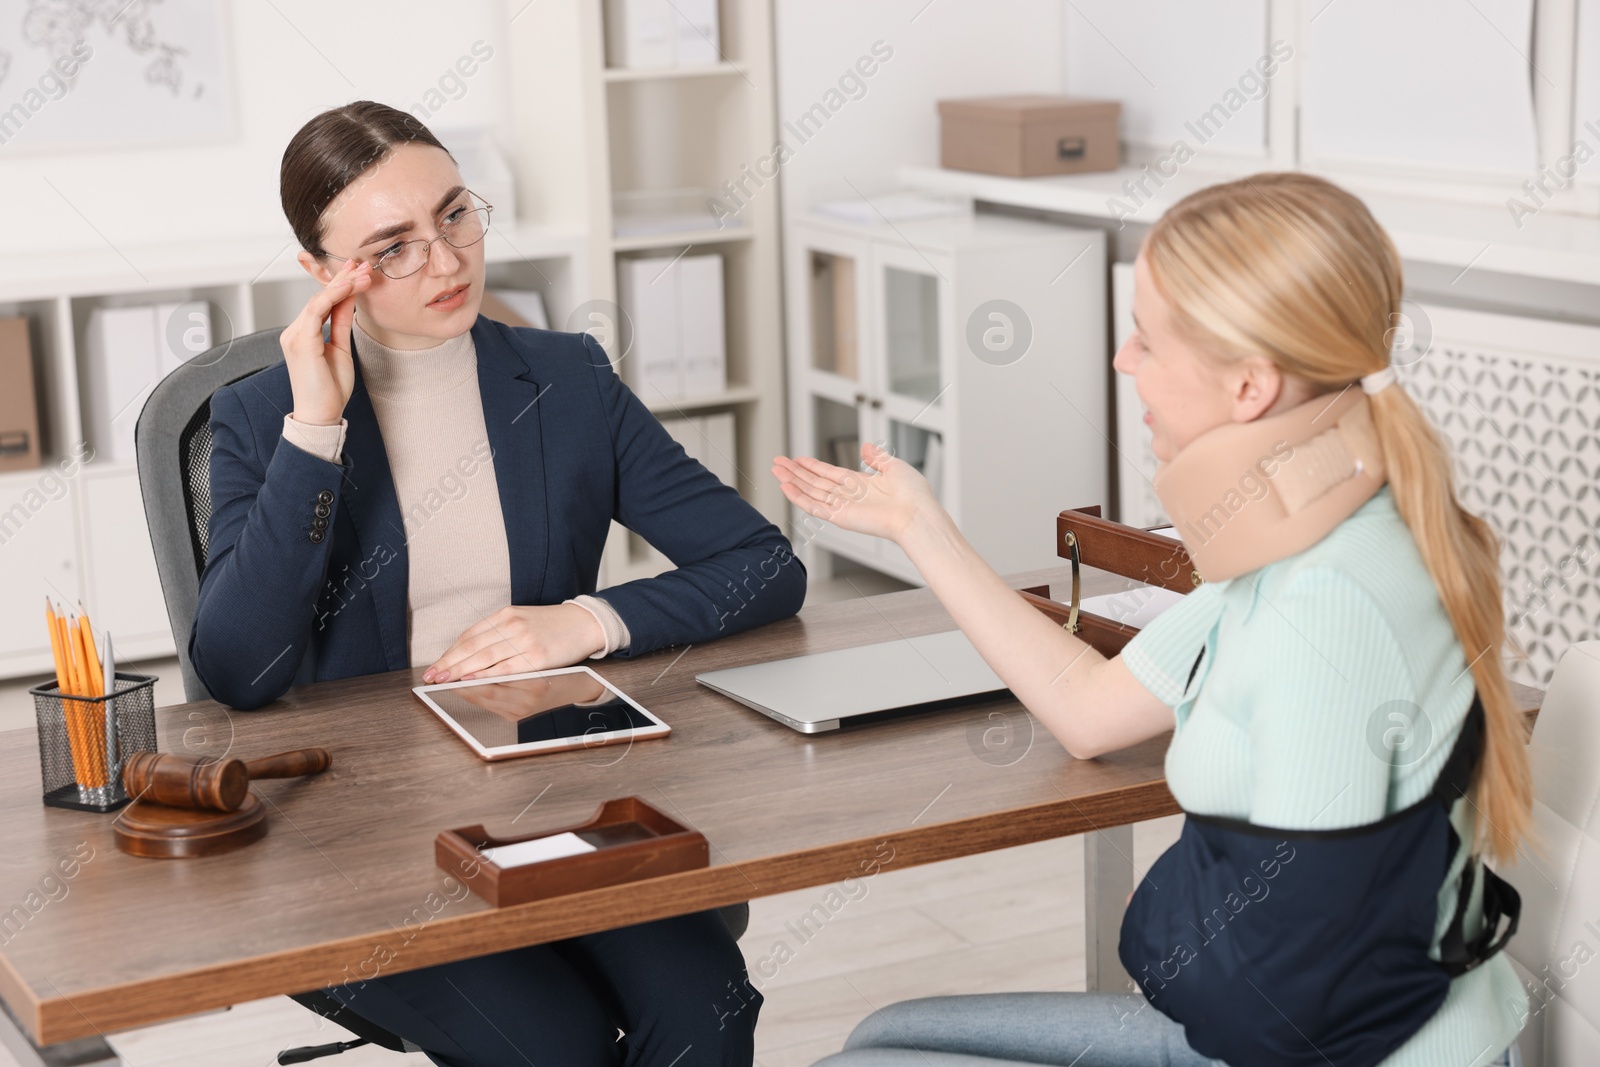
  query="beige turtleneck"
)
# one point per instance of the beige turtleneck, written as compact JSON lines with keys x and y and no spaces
{"x":444,"y":479}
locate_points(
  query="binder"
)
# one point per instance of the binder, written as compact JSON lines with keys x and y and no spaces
{"x":701,"y":336}
{"x":653,"y":365}
{"x":676,"y":309}
{"x":19,"y":401}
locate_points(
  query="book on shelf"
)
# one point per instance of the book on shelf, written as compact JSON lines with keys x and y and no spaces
{"x":652,"y":212}
{"x":833,"y":308}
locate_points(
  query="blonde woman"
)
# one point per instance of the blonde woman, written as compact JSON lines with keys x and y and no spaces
{"x":1327,"y":901}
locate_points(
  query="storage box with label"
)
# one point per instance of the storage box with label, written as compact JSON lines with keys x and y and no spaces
{"x":19,"y":403}
{"x":1029,"y":136}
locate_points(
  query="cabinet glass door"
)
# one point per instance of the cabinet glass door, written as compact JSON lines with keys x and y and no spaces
{"x":911,"y":335}
{"x":921,"y":447}
{"x":837,"y":430}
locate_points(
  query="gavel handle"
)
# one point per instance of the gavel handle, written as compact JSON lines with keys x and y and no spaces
{"x":289,"y":764}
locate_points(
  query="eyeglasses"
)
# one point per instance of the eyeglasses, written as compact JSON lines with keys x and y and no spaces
{"x":463,"y":227}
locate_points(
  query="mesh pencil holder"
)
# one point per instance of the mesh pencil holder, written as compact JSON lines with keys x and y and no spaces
{"x":78,"y":768}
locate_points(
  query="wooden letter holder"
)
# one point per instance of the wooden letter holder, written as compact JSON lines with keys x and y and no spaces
{"x":632,"y":841}
{"x":1087,"y":540}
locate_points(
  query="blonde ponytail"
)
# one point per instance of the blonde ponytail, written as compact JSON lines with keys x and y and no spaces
{"x":1292,"y":268}
{"x":1462,"y":554}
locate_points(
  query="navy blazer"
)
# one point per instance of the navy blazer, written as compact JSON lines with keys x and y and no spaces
{"x":306,"y":576}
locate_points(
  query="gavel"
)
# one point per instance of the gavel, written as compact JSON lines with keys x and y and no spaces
{"x":208,"y":782}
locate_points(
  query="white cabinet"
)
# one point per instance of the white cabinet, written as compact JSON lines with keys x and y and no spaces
{"x":971,"y":346}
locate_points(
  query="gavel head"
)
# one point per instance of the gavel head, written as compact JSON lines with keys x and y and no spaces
{"x":186,"y":781}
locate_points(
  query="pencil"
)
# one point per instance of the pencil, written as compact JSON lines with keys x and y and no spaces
{"x":79,"y":712}
{"x":58,"y":651}
{"x":74,"y":709}
{"x":92,"y":654}
{"x":93,"y":685}
{"x":109,"y":687}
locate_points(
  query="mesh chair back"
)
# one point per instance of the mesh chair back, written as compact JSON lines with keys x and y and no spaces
{"x":172,"y":442}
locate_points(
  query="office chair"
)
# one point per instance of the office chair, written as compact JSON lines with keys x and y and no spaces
{"x":1561,"y":884}
{"x":172,"y":444}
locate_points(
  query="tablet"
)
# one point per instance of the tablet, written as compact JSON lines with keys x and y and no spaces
{"x":540,"y":711}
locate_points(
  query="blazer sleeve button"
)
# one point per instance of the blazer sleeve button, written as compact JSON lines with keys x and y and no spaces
{"x":319,"y":523}
{"x":322,"y":511}
{"x":325,"y":497}
{"x":316,"y":536}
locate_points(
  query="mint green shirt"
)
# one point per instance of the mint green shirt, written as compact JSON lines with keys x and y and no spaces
{"x":1331,"y":692}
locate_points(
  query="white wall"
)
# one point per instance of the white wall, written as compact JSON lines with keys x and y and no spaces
{"x":942,"y":48}
{"x":288,"y":60}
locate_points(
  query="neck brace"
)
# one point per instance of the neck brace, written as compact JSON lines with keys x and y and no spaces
{"x":1246,"y":494}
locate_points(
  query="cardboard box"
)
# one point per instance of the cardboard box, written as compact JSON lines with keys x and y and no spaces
{"x":19,"y":402}
{"x":1029,"y":136}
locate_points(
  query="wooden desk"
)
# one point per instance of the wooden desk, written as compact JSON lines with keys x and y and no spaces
{"x":345,"y":887}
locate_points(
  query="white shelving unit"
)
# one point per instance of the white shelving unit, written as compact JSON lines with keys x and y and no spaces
{"x":74,"y":529}
{"x":971,"y":346}
{"x":638,"y":134}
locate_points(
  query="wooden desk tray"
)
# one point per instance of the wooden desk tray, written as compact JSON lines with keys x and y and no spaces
{"x":1086,"y":539}
{"x":632,"y":841}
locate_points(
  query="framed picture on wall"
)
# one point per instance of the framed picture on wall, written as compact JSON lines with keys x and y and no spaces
{"x":102,"y":75}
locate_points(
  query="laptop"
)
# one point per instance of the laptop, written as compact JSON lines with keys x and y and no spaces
{"x":827,"y":690}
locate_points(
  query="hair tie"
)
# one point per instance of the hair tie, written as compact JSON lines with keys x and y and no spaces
{"x":1379,"y":380}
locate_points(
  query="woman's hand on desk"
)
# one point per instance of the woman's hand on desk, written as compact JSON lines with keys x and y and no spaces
{"x":517,"y":639}
{"x":882,"y":501}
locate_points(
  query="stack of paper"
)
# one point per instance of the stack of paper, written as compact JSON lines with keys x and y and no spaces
{"x":662,"y":33}
{"x":895,"y":206}
{"x":1134,"y":607}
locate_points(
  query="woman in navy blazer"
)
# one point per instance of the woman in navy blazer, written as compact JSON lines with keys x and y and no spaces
{"x":306,"y":577}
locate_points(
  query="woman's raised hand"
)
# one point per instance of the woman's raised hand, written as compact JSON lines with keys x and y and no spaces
{"x":322,"y":373}
{"x":882,"y":501}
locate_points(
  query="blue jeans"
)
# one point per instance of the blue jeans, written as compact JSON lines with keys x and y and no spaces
{"x":1045,"y":1029}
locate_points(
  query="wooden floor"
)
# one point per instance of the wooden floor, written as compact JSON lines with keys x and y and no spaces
{"x":1004,"y":921}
